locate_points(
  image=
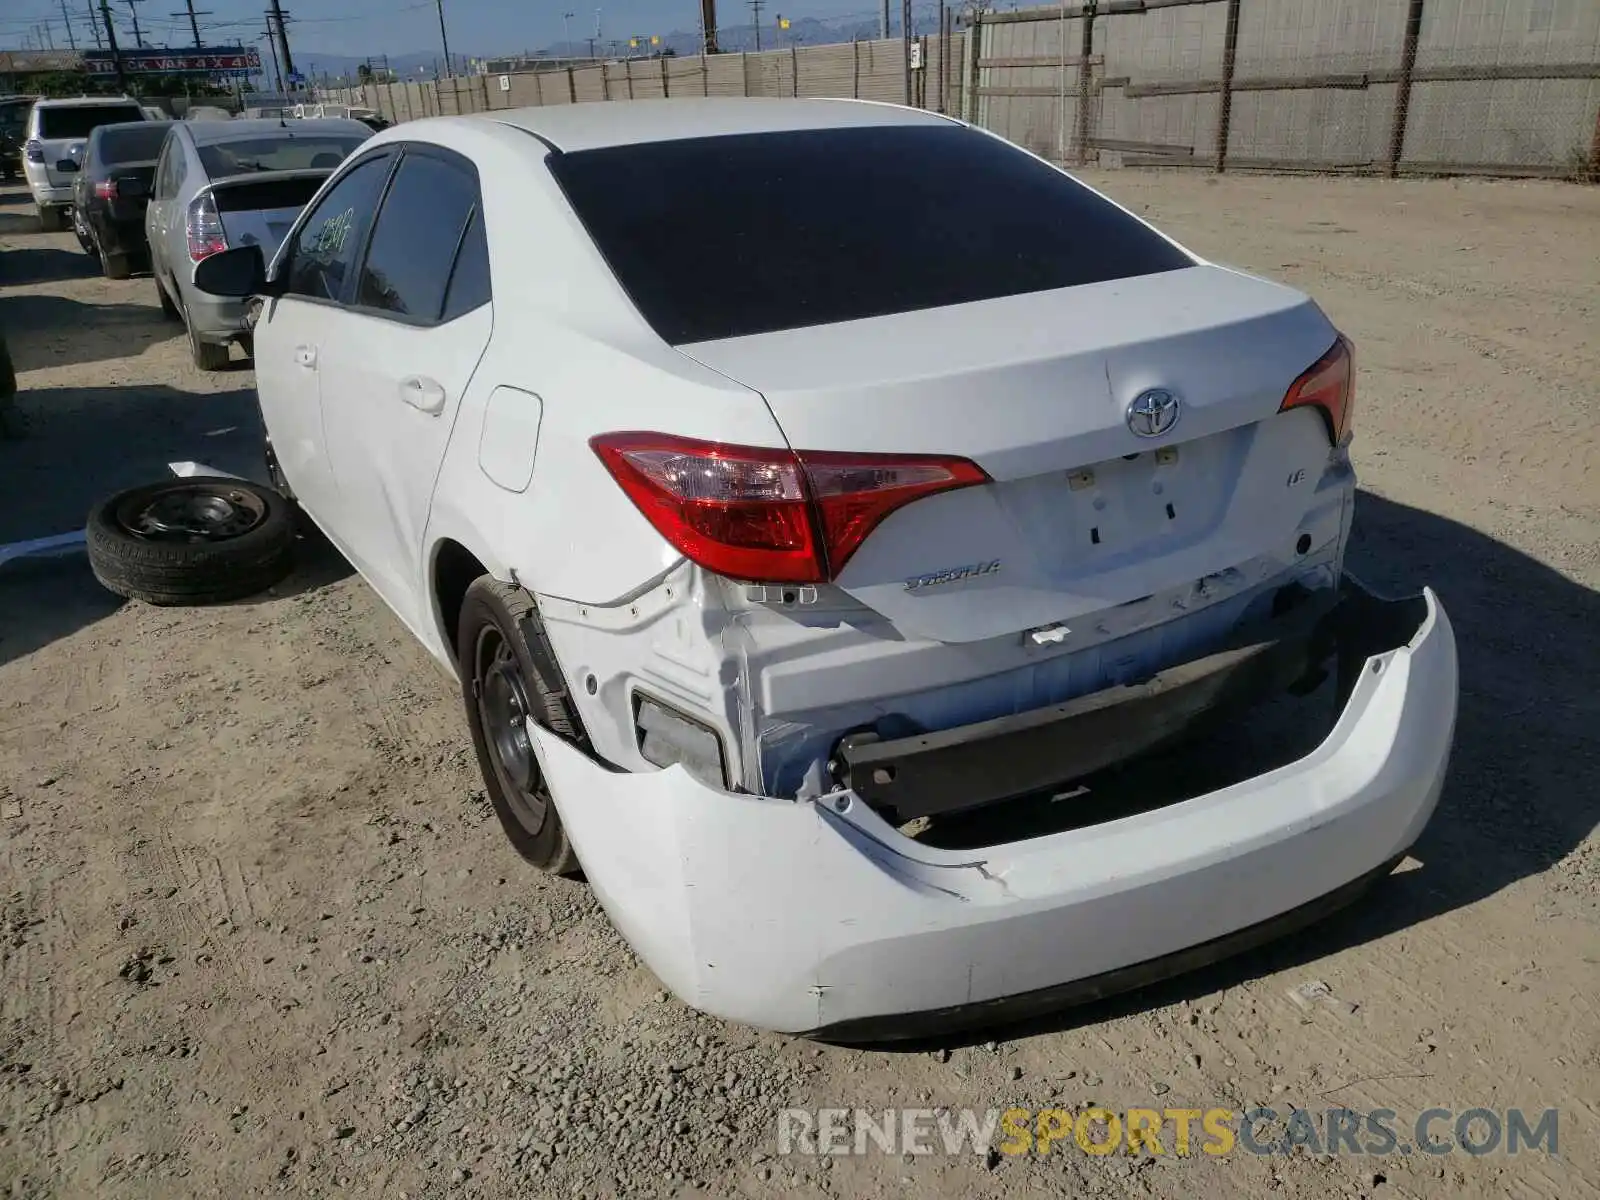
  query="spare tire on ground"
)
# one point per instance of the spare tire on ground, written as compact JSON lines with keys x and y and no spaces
{"x":201,"y":540}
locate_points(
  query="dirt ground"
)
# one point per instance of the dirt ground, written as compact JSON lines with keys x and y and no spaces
{"x":262,"y":934}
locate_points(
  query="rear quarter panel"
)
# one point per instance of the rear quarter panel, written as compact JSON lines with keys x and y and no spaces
{"x":565,"y":333}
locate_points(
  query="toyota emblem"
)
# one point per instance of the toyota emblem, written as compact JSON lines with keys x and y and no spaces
{"x":1153,"y":412}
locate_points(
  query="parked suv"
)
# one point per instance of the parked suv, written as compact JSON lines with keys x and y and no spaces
{"x":52,"y":153}
{"x":903,"y":618}
{"x":13,"y":129}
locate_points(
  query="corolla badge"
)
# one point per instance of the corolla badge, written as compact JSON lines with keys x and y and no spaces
{"x":1152,"y":412}
{"x":918,"y":583}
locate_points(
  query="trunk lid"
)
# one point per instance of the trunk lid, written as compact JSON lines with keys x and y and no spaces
{"x":259,"y":208}
{"x":1083,"y":513}
{"x":54,"y":151}
{"x":134,"y":181}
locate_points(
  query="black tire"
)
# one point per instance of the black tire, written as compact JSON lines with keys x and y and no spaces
{"x":208,"y":356}
{"x":145,"y":558}
{"x":502,"y":675}
{"x":50,"y":220}
{"x":115,"y":266}
{"x":168,"y":308}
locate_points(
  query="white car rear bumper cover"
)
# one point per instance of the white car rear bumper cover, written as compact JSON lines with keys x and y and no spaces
{"x":809,"y":917}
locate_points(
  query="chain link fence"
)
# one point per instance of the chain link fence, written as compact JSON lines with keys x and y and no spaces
{"x":1360,"y":86}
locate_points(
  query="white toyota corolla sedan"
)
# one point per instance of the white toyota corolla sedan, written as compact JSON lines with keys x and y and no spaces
{"x":909,"y":585}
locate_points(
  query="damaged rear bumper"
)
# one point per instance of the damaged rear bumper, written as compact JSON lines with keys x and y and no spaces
{"x":819,"y":917}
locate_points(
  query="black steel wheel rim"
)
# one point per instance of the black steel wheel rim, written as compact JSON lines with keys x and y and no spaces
{"x":504,"y":712}
{"x":203,"y":513}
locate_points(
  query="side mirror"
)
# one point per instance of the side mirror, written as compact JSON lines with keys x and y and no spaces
{"x":66,"y":166}
{"x":237,"y":273}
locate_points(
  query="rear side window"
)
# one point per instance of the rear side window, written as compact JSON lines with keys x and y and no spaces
{"x":729,"y":236}
{"x":131,"y":143}
{"x":80,"y":120}
{"x":469,"y":279}
{"x":415,"y":240}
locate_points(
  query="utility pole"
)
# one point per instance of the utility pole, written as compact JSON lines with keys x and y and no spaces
{"x":275,"y":19}
{"x":272,"y":41}
{"x":445,"y":38}
{"x":883,"y":22}
{"x":905,"y":41}
{"x":194,"y":23}
{"x":755,"y":19}
{"x":99,"y":42}
{"x":708,"y":26}
{"x":566,"y":32}
{"x":138,"y":38}
{"x":72,"y":42}
{"x":111,"y":41}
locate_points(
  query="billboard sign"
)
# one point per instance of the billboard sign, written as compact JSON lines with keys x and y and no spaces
{"x":214,"y":60}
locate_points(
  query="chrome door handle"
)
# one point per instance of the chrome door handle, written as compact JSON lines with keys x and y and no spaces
{"x":424,"y":395}
{"x":306,"y":356}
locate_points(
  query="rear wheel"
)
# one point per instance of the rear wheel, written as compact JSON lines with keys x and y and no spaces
{"x":208,"y":356}
{"x":168,"y":308}
{"x":114,"y":266}
{"x":509,"y":676}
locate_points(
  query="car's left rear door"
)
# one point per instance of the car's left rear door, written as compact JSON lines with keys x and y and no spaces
{"x":415,"y":328}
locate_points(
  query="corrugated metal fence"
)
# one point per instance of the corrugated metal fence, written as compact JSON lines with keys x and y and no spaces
{"x":1363,"y":86}
{"x":872,"y":70}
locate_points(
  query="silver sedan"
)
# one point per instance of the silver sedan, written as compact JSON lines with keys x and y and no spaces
{"x":220,"y":184}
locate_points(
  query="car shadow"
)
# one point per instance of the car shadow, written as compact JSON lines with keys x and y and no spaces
{"x":84,"y":444}
{"x":1520,"y":796}
{"x":45,"y":264}
{"x":48,"y":331}
{"x":45,"y":599}
{"x":79,"y":445}
{"x":19,"y":221}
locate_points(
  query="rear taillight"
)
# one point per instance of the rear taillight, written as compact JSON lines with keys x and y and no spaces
{"x":106,"y":189}
{"x":777,"y":516}
{"x":34,"y":152}
{"x":1329,"y":385}
{"x":205,"y":228}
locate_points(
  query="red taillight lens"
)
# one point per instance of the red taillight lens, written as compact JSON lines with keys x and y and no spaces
{"x":106,"y":189}
{"x":770,"y":515}
{"x":1330,"y":385}
{"x":204,"y":226}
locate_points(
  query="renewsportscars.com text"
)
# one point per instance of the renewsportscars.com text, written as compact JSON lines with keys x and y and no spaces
{"x":1170,"y":1131}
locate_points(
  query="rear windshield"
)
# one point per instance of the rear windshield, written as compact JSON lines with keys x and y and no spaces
{"x":80,"y":120}
{"x":276,"y":154}
{"x":132,"y":143}
{"x":727,"y":236}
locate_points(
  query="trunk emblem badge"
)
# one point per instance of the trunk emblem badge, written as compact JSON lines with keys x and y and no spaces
{"x":918,"y":583}
{"x":1152,"y":412}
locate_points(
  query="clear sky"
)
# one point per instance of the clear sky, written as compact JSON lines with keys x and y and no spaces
{"x":362,"y":27}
